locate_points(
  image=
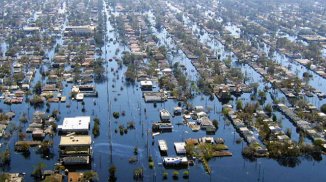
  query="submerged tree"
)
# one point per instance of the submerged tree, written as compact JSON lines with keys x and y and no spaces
{"x":112,"y":171}
{"x":38,"y":170}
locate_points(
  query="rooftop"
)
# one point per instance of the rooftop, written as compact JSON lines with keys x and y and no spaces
{"x":76,"y":123}
{"x":180,"y":147}
{"x":146,"y":83}
{"x":75,"y":140}
{"x":75,"y":176}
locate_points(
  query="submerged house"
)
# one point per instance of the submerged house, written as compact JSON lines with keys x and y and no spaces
{"x":154,"y":96}
{"x":86,"y":90}
{"x":78,"y":124}
{"x":79,"y":30}
{"x":162,"y":127}
{"x":162,"y":146}
{"x":206,"y":123}
{"x":175,"y":161}
{"x":146,"y":85}
{"x":76,"y":150}
{"x":180,"y":147}
{"x":165,"y":115}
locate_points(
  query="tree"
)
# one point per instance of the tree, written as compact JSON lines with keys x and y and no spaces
{"x":116,"y":115}
{"x":37,"y":101}
{"x":99,"y":70}
{"x":271,"y":69}
{"x":4,"y":177}
{"x":175,"y":175}
{"x":268,"y":108}
{"x":90,"y":176}
{"x":5,"y":157}
{"x":38,"y":88}
{"x":249,"y":152}
{"x":96,"y":128}
{"x":130,"y":74}
{"x":45,"y":147}
{"x":138,"y":174}
{"x":24,"y":147}
{"x":215,"y":123}
{"x":323,"y":108}
{"x":262,"y":94}
{"x":38,"y":170}
{"x":228,"y":62}
{"x":23,"y":118}
{"x":239,"y":105}
{"x":136,"y":151}
{"x":112,"y":171}
{"x":274,"y":118}
{"x":165,"y":175}
{"x":186,"y":174}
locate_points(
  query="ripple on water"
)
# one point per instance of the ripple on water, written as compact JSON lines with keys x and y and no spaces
{"x":120,"y":150}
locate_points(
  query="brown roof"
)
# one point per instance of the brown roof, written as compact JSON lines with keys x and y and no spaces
{"x":75,"y":176}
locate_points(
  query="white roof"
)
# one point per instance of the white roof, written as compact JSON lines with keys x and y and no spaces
{"x":175,"y":160}
{"x":75,"y":89}
{"x":201,"y":114}
{"x":163,"y":145}
{"x":31,"y":28}
{"x":199,"y":108}
{"x":282,"y":137}
{"x":75,"y":124}
{"x":281,"y":105}
{"x":180,"y":147}
{"x":244,"y":129}
{"x":165,"y":113}
{"x":80,"y":96}
{"x":81,"y":27}
{"x":167,"y":70}
{"x":146,"y":83}
{"x":187,"y":116}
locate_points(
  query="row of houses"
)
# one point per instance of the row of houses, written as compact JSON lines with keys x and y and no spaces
{"x":244,"y":131}
{"x":41,"y":125}
{"x":198,"y":118}
{"x":303,"y":125}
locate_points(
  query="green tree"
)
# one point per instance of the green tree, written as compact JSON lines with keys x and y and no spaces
{"x":239,"y":105}
{"x":323,"y":108}
{"x":38,"y":170}
{"x":90,"y":176}
{"x":38,"y":88}
{"x":112,"y":171}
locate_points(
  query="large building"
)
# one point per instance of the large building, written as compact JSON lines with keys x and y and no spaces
{"x":79,"y":124}
{"x":76,"y":150}
{"x":80,"y":30}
